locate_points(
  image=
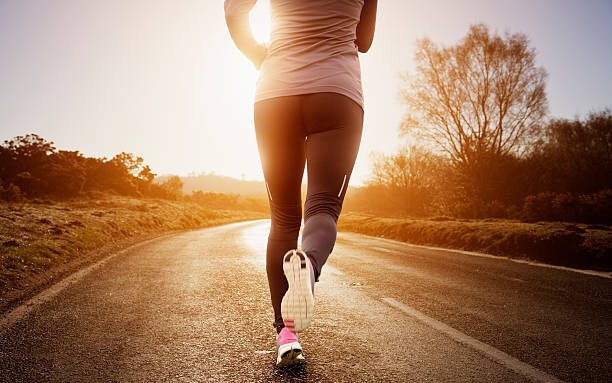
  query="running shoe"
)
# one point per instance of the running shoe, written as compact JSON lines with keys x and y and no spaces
{"x":288,"y":348}
{"x":297,"y":306}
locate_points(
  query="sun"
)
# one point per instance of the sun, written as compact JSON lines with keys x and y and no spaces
{"x":260,"y":21}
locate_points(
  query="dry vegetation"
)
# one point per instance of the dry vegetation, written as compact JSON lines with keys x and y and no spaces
{"x":566,"y":244}
{"x":39,"y":236}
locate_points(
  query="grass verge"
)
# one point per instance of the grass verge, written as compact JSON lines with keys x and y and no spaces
{"x":40,"y":242}
{"x":565,"y":244}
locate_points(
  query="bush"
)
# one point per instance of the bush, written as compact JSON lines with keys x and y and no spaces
{"x":33,"y":168}
{"x":11,"y":193}
{"x":587,"y":208}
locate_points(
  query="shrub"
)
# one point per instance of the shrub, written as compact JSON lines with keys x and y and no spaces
{"x":11,"y":193}
{"x":587,"y":208}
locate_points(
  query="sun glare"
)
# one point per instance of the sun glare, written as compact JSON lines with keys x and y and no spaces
{"x":260,"y":21}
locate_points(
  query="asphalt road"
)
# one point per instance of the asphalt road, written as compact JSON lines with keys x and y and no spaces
{"x":194,"y":307}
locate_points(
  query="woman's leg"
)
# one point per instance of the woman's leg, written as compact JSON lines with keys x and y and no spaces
{"x":333,"y":124}
{"x":280,"y":140}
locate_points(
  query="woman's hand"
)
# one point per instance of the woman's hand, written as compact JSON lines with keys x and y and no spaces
{"x":259,"y":55}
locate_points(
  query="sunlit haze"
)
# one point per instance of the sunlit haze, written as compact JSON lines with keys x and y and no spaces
{"x":162,"y":79}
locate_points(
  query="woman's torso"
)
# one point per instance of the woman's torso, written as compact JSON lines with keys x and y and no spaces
{"x":312,"y":49}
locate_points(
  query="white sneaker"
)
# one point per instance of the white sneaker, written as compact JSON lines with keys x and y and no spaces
{"x":297,"y":306}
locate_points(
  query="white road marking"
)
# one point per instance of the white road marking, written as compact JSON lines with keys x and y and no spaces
{"x":491,"y":352}
{"x":384,"y":250}
{"x":594,"y":273}
{"x":514,"y":279}
{"x":21,"y":311}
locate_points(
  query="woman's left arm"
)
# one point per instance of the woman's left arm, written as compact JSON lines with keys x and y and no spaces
{"x":366,"y":26}
{"x":237,"y":20}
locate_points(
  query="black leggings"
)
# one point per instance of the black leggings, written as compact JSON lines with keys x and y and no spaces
{"x":324,"y":131}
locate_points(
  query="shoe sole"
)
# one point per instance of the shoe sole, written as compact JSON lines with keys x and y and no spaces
{"x":297,"y":306}
{"x":289,"y":354}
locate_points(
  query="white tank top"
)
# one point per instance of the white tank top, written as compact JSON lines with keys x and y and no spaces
{"x":312,"y":48}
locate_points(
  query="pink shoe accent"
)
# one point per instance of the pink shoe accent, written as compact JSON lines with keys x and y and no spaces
{"x":286,"y":336}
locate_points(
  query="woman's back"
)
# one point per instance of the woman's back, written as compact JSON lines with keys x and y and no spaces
{"x":314,"y":28}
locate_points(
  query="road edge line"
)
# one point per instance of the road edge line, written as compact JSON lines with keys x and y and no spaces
{"x":593,"y":273}
{"x":489,"y":351}
{"x":16,"y":314}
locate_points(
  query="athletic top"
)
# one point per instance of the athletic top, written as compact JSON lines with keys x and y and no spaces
{"x":312,"y":47}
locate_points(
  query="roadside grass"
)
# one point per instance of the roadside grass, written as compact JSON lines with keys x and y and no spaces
{"x":38,"y":236}
{"x":559,"y":243}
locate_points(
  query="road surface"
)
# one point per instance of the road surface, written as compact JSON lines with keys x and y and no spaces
{"x":194,"y":307}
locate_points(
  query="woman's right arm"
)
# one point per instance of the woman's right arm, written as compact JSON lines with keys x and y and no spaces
{"x":367,"y":23}
{"x":237,"y":19}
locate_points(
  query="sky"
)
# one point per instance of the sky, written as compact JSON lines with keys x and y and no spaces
{"x":162,"y":79}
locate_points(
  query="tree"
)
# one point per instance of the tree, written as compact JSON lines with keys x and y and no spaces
{"x":409,"y":178}
{"x":173,"y":187}
{"x":481,"y":101}
{"x":146,"y":174}
{"x":24,"y":161}
{"x":482,"y":97}
{"x":65,"y":174}
{"x":31,"y":166}
{"x":134,"y":165}
{"x":575,"y":155}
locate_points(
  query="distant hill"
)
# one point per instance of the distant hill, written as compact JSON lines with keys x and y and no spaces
{"x":219,"y":184}
{"x":210,"y":182}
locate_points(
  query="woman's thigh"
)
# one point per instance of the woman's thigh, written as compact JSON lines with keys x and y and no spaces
{"x":280,"y":141}
{"x":333,"y":124}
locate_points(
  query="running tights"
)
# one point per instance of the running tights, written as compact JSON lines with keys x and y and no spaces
{"x":323,"y":132}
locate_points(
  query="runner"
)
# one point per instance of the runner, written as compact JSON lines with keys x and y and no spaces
{"x":308,"y":111}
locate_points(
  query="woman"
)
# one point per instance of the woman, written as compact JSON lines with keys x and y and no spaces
{"x":308,"y":109}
